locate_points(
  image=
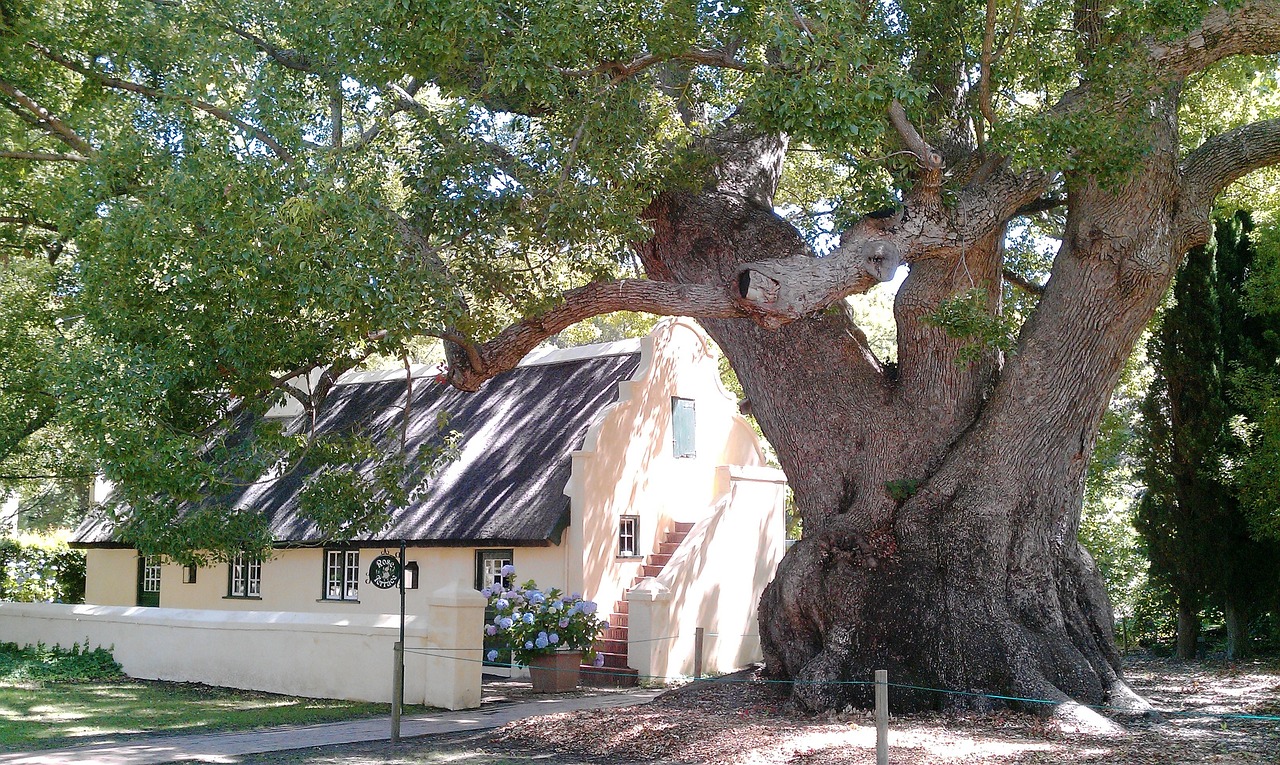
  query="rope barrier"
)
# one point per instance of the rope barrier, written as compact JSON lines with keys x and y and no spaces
{"x":906,"y":686}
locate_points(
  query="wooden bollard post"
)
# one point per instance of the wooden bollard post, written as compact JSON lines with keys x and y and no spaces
{"x":397,"y":691}
{"x":882,"y":717}
{"x":698,"y":635}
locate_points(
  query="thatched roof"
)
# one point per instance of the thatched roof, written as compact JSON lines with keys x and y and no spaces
{"x":506,"y":486}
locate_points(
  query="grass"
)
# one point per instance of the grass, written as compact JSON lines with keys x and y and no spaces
{"x":52,"y":697}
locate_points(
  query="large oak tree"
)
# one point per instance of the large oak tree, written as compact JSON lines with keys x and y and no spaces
{"x":235,"y":192}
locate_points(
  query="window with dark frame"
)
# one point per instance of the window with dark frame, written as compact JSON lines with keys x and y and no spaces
{"x":188,"y":574}
{"x":489,"y":565}
{"x":683,"y":427}
{"x":628,"y":536}
{"x":244,"y":577}
{"x":341,"y":574}
{"x":149,"y":581}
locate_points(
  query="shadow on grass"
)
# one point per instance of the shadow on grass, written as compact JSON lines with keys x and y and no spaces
{"x":50,"y":715}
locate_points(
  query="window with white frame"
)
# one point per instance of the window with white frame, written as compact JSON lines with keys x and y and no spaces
{"x":244,"y":577}
{"x":151,"y":574}
{"x":628,"y":536}
{"x":341,"y":575}
{"x":489,"y":564}
{"x":149,"y":581}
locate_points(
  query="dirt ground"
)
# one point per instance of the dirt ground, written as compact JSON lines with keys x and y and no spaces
{"x":743,"y":723}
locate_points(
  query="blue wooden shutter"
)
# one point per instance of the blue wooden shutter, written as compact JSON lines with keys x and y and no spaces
{"x":683,"y":427}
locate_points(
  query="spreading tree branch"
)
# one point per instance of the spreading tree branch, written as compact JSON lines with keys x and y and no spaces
{"x":984,"y":74}
{"x":39,"y":156}
{"x":286,"y":57}
{"x":929,"y":158}
{"x":1218,"y":163}
{"x":1252,"y":28}
{"x":133,"y":87}
{"x":1022,"y":283}
{"x":44,"y":119}
{"x":620,"y":70}
{"x":505,"y":350}
{"x":21,"y":221}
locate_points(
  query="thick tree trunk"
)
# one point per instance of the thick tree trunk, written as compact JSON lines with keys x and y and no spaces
{"x":941,"y":498}
{"x":1237,"y":623}
{"x":1188,"y":630}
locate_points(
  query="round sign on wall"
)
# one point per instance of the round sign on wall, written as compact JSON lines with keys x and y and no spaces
{"x":384,"y":572}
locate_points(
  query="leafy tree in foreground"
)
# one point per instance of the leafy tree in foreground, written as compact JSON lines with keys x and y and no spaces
{"x":247,"y":190}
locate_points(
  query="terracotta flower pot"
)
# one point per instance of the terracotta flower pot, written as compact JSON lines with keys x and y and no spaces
{"x":555,"y":672}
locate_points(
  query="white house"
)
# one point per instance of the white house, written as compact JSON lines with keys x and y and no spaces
{"x":623,"y":471}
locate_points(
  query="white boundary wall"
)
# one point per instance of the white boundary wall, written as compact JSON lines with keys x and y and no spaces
{"x":337,"y":656}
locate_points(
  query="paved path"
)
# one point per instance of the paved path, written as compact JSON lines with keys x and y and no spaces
{"x":223,"y":747}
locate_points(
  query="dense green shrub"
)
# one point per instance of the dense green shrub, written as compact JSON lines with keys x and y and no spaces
{"x":36,"y":663}
{"x":40,"y":569}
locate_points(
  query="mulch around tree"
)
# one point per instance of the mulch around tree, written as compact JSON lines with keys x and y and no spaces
{"x":728,"y":723}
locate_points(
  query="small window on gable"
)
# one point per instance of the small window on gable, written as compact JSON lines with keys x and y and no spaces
{"x":683,"y":427}
{"x":629,"y":536}
{"x":341,"y":575}
{"x":244,"y":577}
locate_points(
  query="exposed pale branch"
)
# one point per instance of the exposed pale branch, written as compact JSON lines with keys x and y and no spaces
{"x":665,"y":298}
{"x":779,"y":291}
{"x":930,"y":159}
{"x":46,"y":120}
{"x":1219,"y":162}
{"x":40,"y":156}
{"x":133,"y":87}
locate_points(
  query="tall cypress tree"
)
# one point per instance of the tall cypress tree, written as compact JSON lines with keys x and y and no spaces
{"x":1196,"y":534}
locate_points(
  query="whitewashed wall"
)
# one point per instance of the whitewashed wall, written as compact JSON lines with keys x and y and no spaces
{"x":714,"y":581}
{"x":341,"y":656}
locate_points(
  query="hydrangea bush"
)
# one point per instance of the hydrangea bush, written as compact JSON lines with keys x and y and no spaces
{"x":533,"y":622}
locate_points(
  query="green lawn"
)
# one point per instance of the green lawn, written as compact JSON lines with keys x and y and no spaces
{"x":55,"y":714}
{"x":54,"y":698}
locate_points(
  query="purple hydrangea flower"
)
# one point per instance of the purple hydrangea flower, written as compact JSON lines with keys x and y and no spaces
{"x":507,"y":570}
{"x":604,"y":624}
{"x":553,"y":638}
{"x":528,"y":645}
{"x":491,"y":630}
{"x":588,"y":607}
{"x":502,"y":604}
{"x":542,"y":641}
{"x":599,"y":662}
{"x":486,"y":592}
{"x":564,"y":622}
{"x":506,"y":623}
{"x":492,"y":655}
{"x":527,"y":618}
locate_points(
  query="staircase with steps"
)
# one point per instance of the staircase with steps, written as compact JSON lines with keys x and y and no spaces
{"x":612,"y":645}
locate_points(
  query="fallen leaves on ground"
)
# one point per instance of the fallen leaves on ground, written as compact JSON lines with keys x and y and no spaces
{"x":743,"y":721}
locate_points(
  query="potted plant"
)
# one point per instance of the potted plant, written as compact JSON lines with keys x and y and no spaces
{"x":547,"y":631}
